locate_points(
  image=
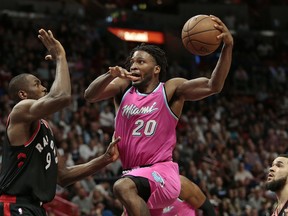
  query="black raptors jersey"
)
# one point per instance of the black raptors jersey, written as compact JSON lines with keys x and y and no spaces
{"x":30,"y":170}
{"x":283,"y":211}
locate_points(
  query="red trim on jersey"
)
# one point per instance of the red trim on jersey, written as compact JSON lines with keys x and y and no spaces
{"x":45,"y":123}
{"x":21,"y":155}
{"x":6,"y":199}
{"x":34,"y":135}
{"x":20,"y":164}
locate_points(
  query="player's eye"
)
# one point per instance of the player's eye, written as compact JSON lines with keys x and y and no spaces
{"x":279,"y":165}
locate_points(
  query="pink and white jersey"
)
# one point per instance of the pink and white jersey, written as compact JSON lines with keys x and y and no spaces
{"x":146,"y":126}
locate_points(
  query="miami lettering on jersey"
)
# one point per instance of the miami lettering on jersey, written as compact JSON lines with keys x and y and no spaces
{"x":132,"y":109}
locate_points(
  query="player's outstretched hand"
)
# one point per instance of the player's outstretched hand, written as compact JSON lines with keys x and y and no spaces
{"x":226,"y":35}
{"x":54,"y":47}
{"x":112,"y":152}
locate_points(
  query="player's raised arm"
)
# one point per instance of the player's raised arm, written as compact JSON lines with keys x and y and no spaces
{"x":107,"y":85}
{"x":59,"y":95}
{"x":202,"y":87}
{"x":35,"y":101}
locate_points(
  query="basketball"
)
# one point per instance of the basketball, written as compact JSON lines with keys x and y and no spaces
{"x":199,"y":36}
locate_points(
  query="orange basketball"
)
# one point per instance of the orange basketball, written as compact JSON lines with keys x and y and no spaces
{"x":199,"y":36}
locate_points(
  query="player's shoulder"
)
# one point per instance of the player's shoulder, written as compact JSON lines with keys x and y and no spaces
{"x":20,"y":110}
{"x":24,"y":103}
{"x":174,"y":82}
{"x":22,"y":106}
{"x":171,"y":86}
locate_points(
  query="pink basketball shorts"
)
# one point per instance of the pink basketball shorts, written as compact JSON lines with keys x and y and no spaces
{"x":164,"y":184}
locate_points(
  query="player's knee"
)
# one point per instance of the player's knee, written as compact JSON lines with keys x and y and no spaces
{"x":124,"y":186}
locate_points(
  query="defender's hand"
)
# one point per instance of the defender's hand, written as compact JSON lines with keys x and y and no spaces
{"x":112,"y":152}
{"x":53,"y":46}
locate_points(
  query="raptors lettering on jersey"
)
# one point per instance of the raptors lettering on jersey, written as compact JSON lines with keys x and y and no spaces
{"x":47,"y":143}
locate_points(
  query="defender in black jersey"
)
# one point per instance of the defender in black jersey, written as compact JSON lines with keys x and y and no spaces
{"x":31,"y":167}
{"x":277,"y":181}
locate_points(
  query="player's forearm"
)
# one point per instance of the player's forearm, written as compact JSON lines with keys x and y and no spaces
{"x":78,"y":172}
{"x":222,"y":68}
{"x":95,"y":90}
{"x":62,"y":84}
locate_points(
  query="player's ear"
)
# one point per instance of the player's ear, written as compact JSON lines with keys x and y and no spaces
{"x":22,"y":94}
{"x":157,"y":69}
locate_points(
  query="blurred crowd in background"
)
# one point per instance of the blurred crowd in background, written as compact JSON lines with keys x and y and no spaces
{"x":226,"y":143}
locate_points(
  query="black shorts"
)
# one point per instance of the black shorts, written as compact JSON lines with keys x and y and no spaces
{"x":142,"y":185}
{"x":23,"y":207}
{"x":16,"y":209}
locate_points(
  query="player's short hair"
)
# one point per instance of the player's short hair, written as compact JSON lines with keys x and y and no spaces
{"x":283,"y":155}
{"x":16,"y":84}
{"x":156,"y":52}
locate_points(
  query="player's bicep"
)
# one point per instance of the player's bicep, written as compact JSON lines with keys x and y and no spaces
{"x":30,"y":110}
{"x":194,"y":89}
{"x":46,"y":106}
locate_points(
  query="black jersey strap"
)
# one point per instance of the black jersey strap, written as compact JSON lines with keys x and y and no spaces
{"x":282,"y":213}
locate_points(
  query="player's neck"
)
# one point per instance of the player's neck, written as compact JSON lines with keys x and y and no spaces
{"x":282,"y":195}
{"x":149,"y":88}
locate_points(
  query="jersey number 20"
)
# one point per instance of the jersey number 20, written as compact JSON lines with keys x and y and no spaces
{"x":147,"y":128}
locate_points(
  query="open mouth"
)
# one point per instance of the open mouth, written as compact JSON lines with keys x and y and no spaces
{"x":269,"y":177}
{"x":135,"y":74}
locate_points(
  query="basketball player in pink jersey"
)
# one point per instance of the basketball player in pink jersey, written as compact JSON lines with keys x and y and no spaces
{"x":147,"y":112}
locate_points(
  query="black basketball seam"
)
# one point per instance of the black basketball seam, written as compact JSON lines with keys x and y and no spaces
{"x":202,"y":42}
{"x":204,"y":31}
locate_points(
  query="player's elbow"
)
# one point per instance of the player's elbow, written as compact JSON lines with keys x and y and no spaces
{"x":62,"y":99}
{"x":215,"y":89}
{"x":63,"y":183}
{"x":63,"y":178}
{"x":69,"y":100}
{"x":66,"y":99}
{"x":88,"y":96}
